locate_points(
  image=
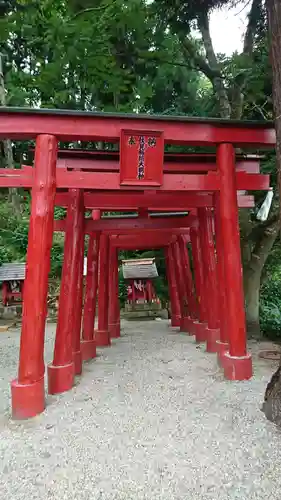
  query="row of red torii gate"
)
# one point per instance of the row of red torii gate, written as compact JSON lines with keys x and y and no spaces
{"x":186,"y":204}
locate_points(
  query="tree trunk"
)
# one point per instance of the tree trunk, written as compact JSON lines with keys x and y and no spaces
{"x":252,"y":299}
{"x":274,"y":20}
{"x":8,"y":149}
{"x":272,"y":399}
{"x":230,"y":104}
{"x":252,"y":277}
{"x":217,"y":79}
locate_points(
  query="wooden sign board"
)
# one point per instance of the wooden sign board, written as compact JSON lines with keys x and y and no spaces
{"x":141,"y":158}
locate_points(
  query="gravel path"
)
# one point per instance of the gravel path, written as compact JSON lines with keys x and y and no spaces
{"x":151,"y":418}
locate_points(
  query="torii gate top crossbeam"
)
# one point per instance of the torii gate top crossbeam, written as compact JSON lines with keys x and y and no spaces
{"x":24,"y":123}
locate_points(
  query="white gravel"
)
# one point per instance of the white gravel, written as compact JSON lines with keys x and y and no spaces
{"x":151,"y":418}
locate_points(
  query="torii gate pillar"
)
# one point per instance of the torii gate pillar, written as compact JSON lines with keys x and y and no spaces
{"x":199,"y":281}
{"x":237,"y":362}
{"x":188,"y":282}
{"x":210,"y":274}
{"x":102,"y":336}
{"x":61,"y":372}
{"x":88,"y":344}
{"x":222,"y":344}
{"x":28,"y":392}
{"x":180,"y":284}
{"x":173,"y":294}
{"x":114,"y":307}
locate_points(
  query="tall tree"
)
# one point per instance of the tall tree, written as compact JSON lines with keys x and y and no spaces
{"x":107,"y":54}
{"x":272,"y":403}
{"x":274,"y":21}
{"x":230,"y":79}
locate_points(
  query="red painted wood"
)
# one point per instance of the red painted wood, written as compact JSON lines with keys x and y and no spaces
{"x":112,"y":259}
{"x":221,"y":278}
{"x":137,"y":245}
{"x":28,"y":397}
{"x":111,"y":181}
{"x":114,"y":310}
{"x":188,"y":281}
{"x":209,"y":266}
{"x":102,"y":334}
{"x":173,"y":294}
{"x":88,"y":344}
{"x":153,"y":202}
{"x":86,"y":127}
{"x":116,"y":330}
{"x":78,"y":302}
{"x":91,"y":288}
{"x":61,"y":371}
{"x":149,"y":289}
{"x":173,"y":162}
{"x":133,"y":291}
{"x":103,"y":162}
{"x":179,"y":281}
{"x":117,"y":302}
{"x":141,"y":158}
{"x":171,"y":182}
{"x":134,"y":200}
{"x":155,"y":236}
{"x":22,"y":177}
{"x":9,"y":295}
{"x":133,"y":225}
{"x":228,"y":213}
{"x":143,"y":213}
{"x":5,"y":293}
{"x":198,"y":272}
{"x":134,"y":233}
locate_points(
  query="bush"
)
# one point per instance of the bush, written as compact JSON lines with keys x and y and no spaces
{"x":270,"y":308}
{"x":122,"y":288}
{"x":14,"y":235}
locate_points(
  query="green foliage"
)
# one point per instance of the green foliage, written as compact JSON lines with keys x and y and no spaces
{"x":270,"y":313}
{"x":6,"y":254}
{"x":125,"y":56}
{"x":14,"y":236}
{"x":56,"y":259}
{"x":60,"y":213}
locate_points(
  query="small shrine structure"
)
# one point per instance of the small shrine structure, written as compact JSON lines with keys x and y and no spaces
{"x":12,"y":277}
{"x":142,"y":301}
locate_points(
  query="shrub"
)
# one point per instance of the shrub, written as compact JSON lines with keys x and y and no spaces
{"x":270,"y":307}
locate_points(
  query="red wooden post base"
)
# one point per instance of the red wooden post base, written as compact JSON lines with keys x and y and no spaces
{"x":200,"y":331}
{"x":182,"y":325}
{"x":88,"y":349}
{"x":175,"y":321}
{"x":115,"y":330}
{"x":114,"y":307}
{"x":102,"y":338}
{"x":222,"y":347}
{"x":60,"y":378}
{"x":213,"y":335}
{"x":237,"y":368}
{"x":101,"y":335}
{"x":77,"y":360}
{"x":28,"y":400}
{"x":185,"y":323}
{"x":28,"y":394}
{"x":189,"y":325}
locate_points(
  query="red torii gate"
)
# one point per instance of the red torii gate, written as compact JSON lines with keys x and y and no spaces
{"x":142,"y":172}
